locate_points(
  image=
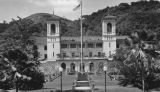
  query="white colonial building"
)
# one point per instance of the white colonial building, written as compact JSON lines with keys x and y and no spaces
{"x":65,"y":51}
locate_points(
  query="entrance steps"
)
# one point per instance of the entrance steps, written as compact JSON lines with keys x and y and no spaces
{"x":83,"y":82}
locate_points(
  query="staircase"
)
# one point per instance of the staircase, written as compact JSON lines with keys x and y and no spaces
{"x":83,"y":83}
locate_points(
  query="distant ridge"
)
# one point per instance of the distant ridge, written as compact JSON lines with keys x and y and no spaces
{"x":140,"y":16}
{"x":42,"y":18}
{"x":39,"y":17}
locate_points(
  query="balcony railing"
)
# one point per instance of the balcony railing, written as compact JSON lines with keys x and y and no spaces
{"x":85,"y":57}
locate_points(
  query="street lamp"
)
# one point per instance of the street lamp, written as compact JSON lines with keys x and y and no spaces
{"x":105,"y":70}
{"x":60,"y":69}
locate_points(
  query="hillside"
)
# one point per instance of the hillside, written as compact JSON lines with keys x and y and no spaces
{"x":3,"y":26}
{"x":42,"y":18}
{"x":137,"y":16}
{"x":140,"y":16}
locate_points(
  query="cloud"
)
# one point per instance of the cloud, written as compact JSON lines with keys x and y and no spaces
{"x":58,"y":5}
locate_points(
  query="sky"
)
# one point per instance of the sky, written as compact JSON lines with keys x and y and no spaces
{"x":12,"y":8}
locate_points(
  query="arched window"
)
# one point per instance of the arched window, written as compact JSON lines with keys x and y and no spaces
{"x":53,"y":29}
{"x":109,"y":28}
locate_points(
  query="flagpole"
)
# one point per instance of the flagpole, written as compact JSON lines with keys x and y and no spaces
{"x":81,"y":39}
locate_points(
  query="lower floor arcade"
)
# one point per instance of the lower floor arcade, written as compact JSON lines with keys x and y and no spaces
{"x":71,"y":66}
{"x":92,"y":66}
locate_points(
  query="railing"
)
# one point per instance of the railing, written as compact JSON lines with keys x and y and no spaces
{"x":77,"y":58}
{"x":56,"y":77}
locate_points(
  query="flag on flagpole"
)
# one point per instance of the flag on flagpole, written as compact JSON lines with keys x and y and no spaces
{"x":77,"y":7}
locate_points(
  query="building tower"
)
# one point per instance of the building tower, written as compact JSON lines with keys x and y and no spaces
{"x":109,"y":35}
{"x":53,"y":40}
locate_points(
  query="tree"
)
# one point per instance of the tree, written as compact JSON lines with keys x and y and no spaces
{"x":22,"y":54}
{"x":137,"y":66}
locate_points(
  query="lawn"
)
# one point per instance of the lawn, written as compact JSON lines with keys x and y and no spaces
{"x":112,"y":85}
{"x":99,"y":85}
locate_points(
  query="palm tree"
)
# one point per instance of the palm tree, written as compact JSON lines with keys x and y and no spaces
{"x":135,"y":65}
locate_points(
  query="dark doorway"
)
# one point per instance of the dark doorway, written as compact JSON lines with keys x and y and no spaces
{"x":91,"y":67}
{"x":63,"y":65}
{"x":72,"y":67}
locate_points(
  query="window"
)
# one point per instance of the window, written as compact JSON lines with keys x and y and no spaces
{"x":72,"y":45}
{"x":109,"y":44}
{"x":72,"y":67}
{"x":117,"y":45}
{"x":109,"y":53}
{"x":53,"y":54}
{"x":45,"y":55}
{"x":90,"y":54}
{"x":99,"y":54}
{"x":64,"y":55}
{"x":73,"y":54}
{"x":63,"y":45}
{"x":53,"y":45}
{"x":91,"y":67}
{"x":99,"y":45}
{"x":53,"y":29}
{"x":79,"y":45}
{"x":90,"y":45}
{"x":45,"y":47}
{"x":109,"y":28}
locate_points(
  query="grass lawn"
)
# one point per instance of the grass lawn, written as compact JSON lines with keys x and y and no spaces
{"x":112,"y":85}
{"x":118,"y":89}
{"x":99,"y":85}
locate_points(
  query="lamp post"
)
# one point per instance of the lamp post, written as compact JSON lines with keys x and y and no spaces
{"x":16,"y":84}
{"x":105,"y":70}
{"x":60,"y":69}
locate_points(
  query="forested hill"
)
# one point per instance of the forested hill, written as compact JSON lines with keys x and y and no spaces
{"x":140,"y":16}
{"x":137,"y":16}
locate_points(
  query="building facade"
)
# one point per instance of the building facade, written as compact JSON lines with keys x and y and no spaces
{"x":65,"y":52}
